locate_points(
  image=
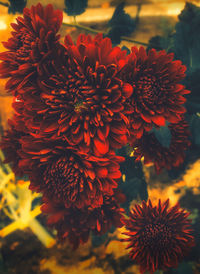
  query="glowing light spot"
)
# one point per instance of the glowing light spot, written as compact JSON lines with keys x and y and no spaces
{"x":2,"y":25}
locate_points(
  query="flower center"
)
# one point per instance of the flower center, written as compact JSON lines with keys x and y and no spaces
{"x":79,"y":106}
{"x":156,"y":235}
{"x":24,"y":47}
{"x":63,"y":178}
{"x":151,"y":90}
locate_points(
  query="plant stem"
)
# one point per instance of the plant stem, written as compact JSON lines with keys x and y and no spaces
{"x":41,"y":233}
{"x":4,"y":4}
{"x":133,"y":41}
{"x":88,"y":29}
{"x":78,"y":26}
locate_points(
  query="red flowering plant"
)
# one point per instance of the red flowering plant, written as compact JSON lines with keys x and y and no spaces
{"x":166,"y":155}
{"x":157,"y":94}
{"x":33,"y":38}
{"x":76,"y":224}
{"x":158,"y":236}
{"x":75,"y":104}
{"x":64,"y":173}
{"x":82,"y":99}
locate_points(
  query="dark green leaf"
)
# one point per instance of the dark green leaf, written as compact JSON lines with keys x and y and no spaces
{"x":187,"y":37}
{"x":195,"y":129}
{"x":160,"y":42}
{"x":127,"y":50}
{"x":16,"y":6}
{"x":192,"y":82}
{"x":75,"y":7}
{"x":98,"y":240}
{"x":121,"y":24}
{"x":163,"y":135}
{"x":183,"y":268}
{"x":134,"y":186}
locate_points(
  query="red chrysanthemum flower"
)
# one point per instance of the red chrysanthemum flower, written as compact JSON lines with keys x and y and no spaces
{"x":76,"y":224}
{"x":159,"y":236}
{"x":83,"y":98}
{"x":27,"y":105}
{"x":68,"y":175}
{"x":149,"y":147}
{"x":157,"y":95}
{"x":33,"y":40}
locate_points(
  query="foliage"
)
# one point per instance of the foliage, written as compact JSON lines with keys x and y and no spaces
{"x":16,"y":6}
{"x":127,"y":50}
{"x":192,"y":83}
{"x":187,"y":49}
{"x":185,"y":43}
{"x":195,"y":129}
{"x":187,"y":37}
{"x":160,"y":42}
{"x":163,"y":135}
{"x":132,"y":183}
{"x":75,"y":7}
{"x":121,"y":24}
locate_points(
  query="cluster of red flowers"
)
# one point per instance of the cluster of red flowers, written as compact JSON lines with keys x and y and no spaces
{"x":74,"y":105}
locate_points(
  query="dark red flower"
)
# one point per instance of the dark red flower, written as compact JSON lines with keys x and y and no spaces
{"x":82,"y":96}
{"x":159,"y":236}
{"x":149,"y":147}
{"x":76,"y":224}
{"x":157,"y":95}
{"x":68,"y":175}
{"x":33,"y":40}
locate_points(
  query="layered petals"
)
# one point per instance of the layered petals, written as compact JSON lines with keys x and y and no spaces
{"x":83,"y":99}
{"x":32,"y":42}
{"x":77,"y":224}
{"x":158,"y":236}
{"x":157,"y":94}
{"x":67,"y":175}
{"x":149,"y":147}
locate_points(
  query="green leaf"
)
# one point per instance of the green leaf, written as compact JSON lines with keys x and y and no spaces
{"x":192,"y":82}
{"x":160,"y":42}
{"x":75,"y":7}
{"x":133,"y":183}
{"x":121,"y":24}
{"x":195,"y":129}
{"x":16,"y":6}
{"x":187,"y":37}
{"x":163,"y":135}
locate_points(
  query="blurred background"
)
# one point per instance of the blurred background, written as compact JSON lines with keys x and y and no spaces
{"x":27,"y":245}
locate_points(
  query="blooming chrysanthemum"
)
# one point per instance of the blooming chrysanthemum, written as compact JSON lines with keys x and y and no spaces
{"x":33,"y":40}
{"x":83,"y":99}
{"x":149,"y":147}
{"x":159,"y":236}
{"x":157,"y":95}
{"x":66,"y":174}
{"x":76,"y":224}
{"x":27,"y":105}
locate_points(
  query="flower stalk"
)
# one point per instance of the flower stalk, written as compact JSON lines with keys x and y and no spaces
{"x":94,"y":31}
{"x":16,"y":203}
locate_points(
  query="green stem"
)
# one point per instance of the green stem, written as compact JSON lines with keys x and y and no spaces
{"x":88,"y":29}
{"x":133,"y":41}
{"x":78,"y":26}
{"x":4,"y":4}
